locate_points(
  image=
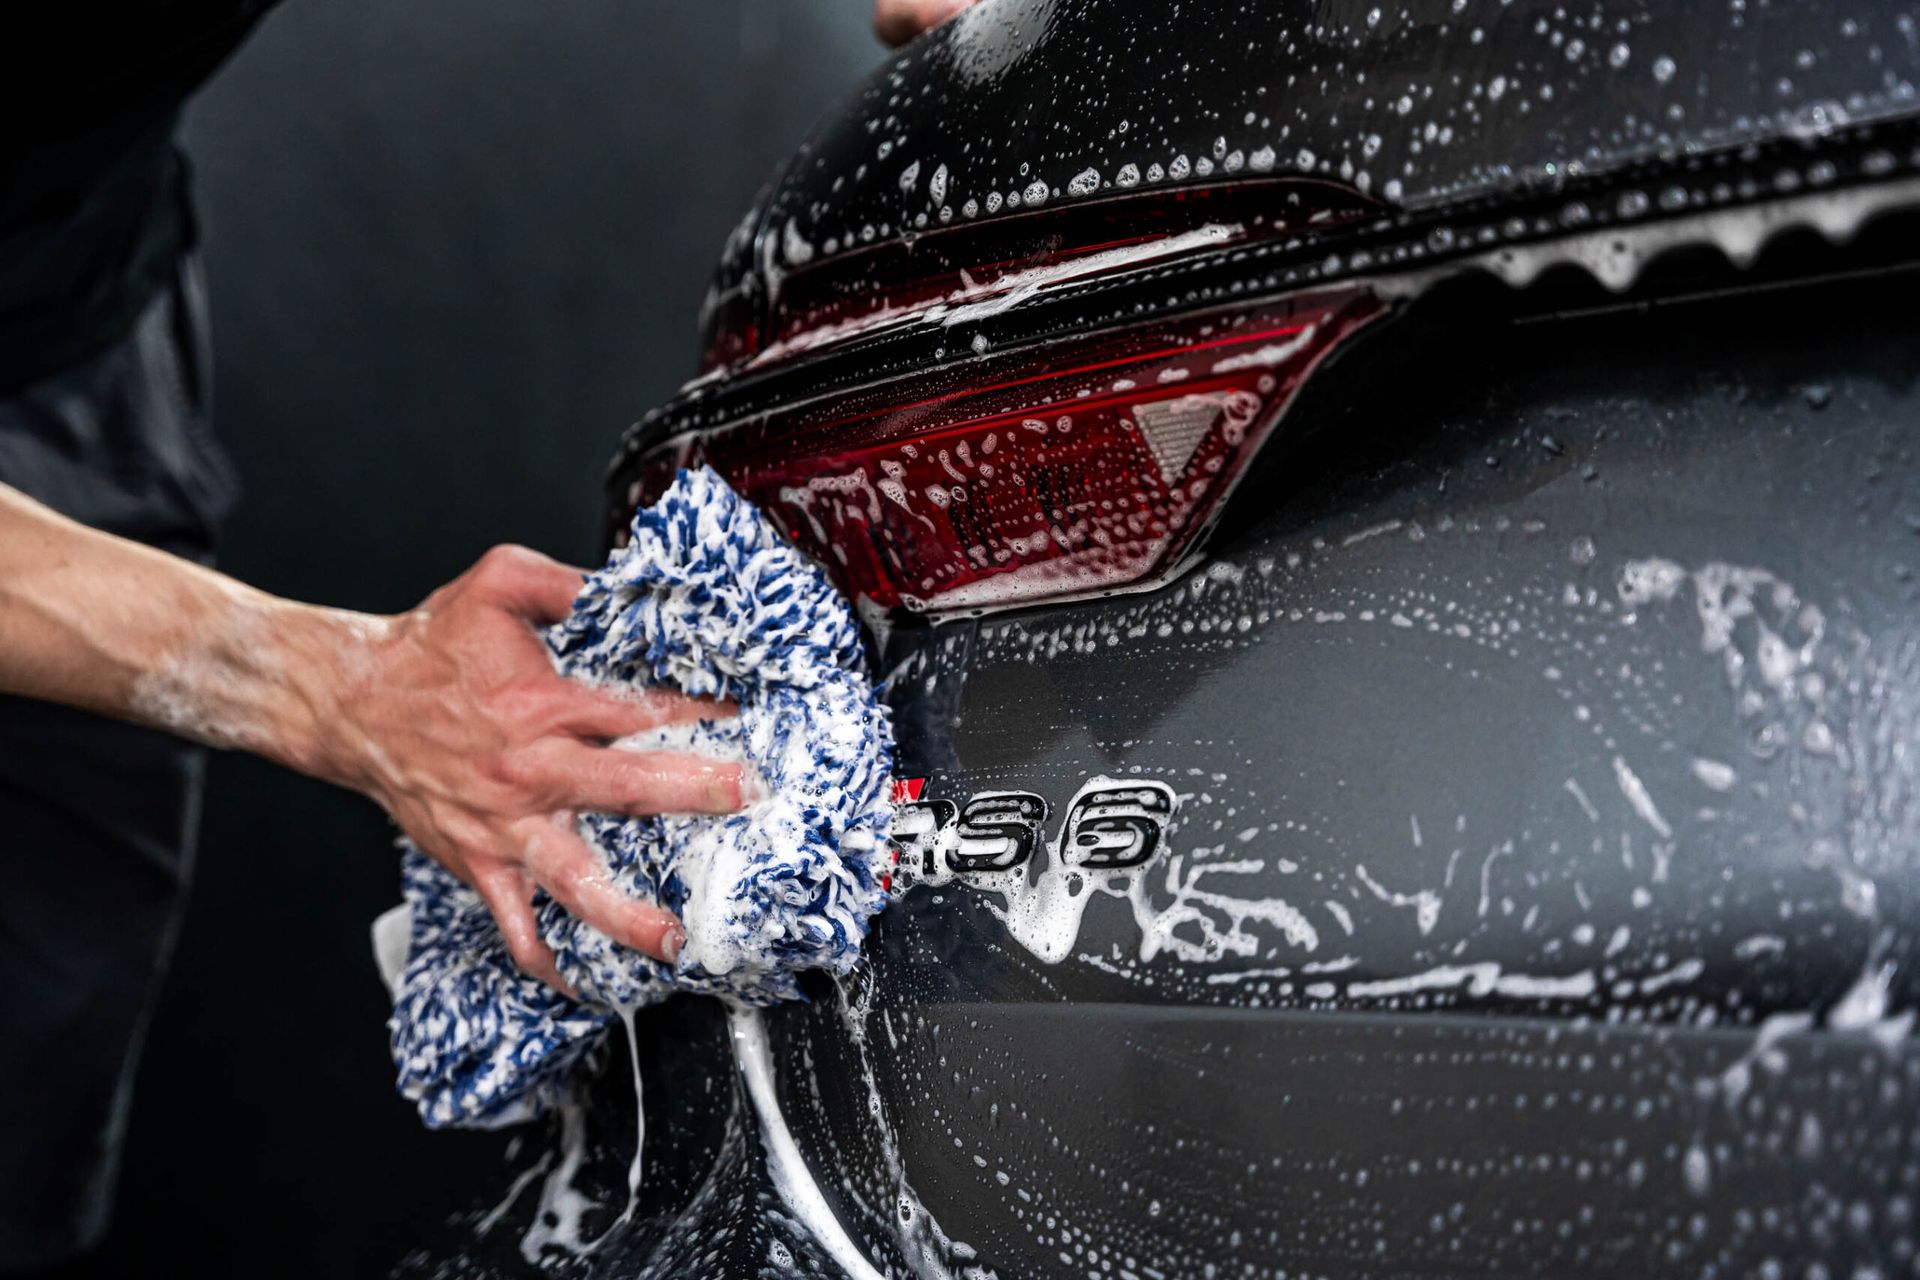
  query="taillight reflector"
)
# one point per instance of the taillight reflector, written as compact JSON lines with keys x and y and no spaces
{"x":1048,"y":474}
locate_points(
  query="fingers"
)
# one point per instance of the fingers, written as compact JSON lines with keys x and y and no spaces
{"x":593,"y":713}
{"x":508,"y":894}
{"x":580,"y":882}
{"x":527,"y":583}
{"x":898,"y":21}
{"x":574,"y":775}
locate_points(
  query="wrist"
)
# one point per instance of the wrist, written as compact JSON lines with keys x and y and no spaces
{"x":329,"y":662}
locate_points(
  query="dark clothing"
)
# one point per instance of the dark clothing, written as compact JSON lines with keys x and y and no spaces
{"x":103,"y":416}
{"x":94,"y":208}
{"x":98,"y":817}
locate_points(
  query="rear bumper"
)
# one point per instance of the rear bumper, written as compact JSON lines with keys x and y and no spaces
{"x":1541,"y":895}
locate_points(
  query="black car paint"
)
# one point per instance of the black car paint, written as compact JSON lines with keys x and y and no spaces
{"x":1501,"y":472}
{"x":1395,"y":100}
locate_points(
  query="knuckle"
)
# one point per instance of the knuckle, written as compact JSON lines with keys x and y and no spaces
{"x":526,"y":701}
{"x":468,"y":840}
{"x":501,"y":565}
{"x":540,"y":861}
{"x":523,"y":771}
{"x":504,"y":555}
{"x":487,"y":569}
{"x":451,"y":843}
{"x":513,"y":703}
{"x":564,"y":865}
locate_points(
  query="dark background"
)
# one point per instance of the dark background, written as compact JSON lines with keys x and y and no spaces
{"x":454,"y":247}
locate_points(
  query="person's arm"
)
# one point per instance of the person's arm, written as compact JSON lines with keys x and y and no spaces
{"x":898,"y":21}
{"x":450,"y":715}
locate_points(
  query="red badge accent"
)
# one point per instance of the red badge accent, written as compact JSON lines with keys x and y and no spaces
{"x":904,"y":790}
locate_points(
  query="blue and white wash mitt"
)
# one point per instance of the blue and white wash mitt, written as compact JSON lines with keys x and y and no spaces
{"x":707,"y":598}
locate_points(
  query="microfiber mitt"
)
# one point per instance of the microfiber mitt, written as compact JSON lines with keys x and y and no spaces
{"x":709,"y":599}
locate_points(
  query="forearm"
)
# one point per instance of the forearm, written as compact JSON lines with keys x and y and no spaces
{"x":450,"y":715}
{"x":110,"y":626}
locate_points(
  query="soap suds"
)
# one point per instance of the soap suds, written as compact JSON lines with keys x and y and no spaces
{"x":785,"y":1165}
{"x":709,"y":599}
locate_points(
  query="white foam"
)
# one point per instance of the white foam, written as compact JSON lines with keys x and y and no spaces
{"x":785,"y":1165}
{"x":556,"y":1223}
{"x":1636,"y":793}
{"x":392,"y":930}
{"x":1483,"y":979}
{"x":1271,"y":354}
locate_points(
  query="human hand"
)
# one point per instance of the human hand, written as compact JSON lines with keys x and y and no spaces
{"x":898,"y":21}
{"x":452,"y":717}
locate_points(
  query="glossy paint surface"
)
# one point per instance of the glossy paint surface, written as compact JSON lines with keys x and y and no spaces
{"x":1539,"y":893}
{"x":1025,"y":106}
{"x":1522,"y":793}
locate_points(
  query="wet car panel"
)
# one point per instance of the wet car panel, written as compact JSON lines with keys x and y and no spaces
{"x":1521,"y":764}
{"x":1494,"y":853}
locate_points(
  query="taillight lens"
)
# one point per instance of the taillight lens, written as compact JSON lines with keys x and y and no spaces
{"x":833,"y":292}
{"x":1068,"y":470}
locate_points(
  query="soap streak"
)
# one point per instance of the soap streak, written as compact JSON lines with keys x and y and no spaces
{"x":499,"y":1211}
{"x":560,"y":1200}
{"x":787,"y":1167}
{"x":639,"y":1135}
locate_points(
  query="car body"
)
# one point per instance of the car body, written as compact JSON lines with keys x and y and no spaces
{"x":1407,"y":738}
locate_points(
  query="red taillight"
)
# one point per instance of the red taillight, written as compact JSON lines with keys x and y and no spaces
{"x":1076,"y":469}
{"x":832,"y":292}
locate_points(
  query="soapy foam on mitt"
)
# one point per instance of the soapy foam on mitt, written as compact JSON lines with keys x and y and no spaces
{"x":709,"y":599}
